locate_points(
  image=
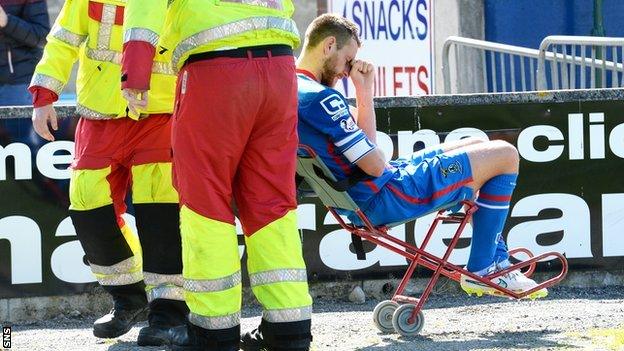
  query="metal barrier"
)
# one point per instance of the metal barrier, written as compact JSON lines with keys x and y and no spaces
{"x":580,"y":62}
{"x":508,"y":56}
{"x":562,"y":62}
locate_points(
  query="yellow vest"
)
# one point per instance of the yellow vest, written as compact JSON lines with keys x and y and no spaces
{"x":92,"y":32}
{"x":192,"y":26}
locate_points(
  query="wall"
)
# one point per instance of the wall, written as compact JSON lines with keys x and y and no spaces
{"x":527,"y":22}
{"x":465,"y":19}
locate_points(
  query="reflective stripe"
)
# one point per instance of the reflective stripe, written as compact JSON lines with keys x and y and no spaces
{"x":115,"y":57}
{"x":227,"y":30}
{"x":165,"y":292}
{"x":106,"y":26}
{"x":66,"y":36}
{"x":104,"y":55}
{"x":288,"y":315}
{"x":163,"y":68}
{"x":88,"y":113}
{"x":277,"y":276}
{"x":156,"y":279}
{"x":121,"y":279}
{"x":213,"y":285}
{"x":272,"y":4}
{"x":220,"y":322}
{"x":141,"y":34}
{"x":124,"y":266}
{"x":47,"y":82}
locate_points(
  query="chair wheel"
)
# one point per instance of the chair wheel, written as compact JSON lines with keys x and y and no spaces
{"x":401,"y":324}
{"x":382,"y":315}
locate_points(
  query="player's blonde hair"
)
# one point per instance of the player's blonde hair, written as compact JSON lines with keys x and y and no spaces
{"x":331,"y":25}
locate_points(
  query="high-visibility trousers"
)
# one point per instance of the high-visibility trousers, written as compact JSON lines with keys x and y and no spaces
{"x":235,"y":138}
{"x":110,"y":156}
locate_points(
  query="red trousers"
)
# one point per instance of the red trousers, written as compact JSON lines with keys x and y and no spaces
{"x":234,"y":136}
{"x":120,"y":144}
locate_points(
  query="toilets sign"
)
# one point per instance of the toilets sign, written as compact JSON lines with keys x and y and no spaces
{"x":397,"y":37}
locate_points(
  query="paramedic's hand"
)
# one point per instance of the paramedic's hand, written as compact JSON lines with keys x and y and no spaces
{"x":40,"y":118}
{"x":362,"y":74}
{"x":137,"y":99}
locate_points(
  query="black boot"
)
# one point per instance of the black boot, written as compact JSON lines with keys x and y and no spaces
{"x":118,"y":322}
{"x":253,"y":341}
{"x":130,"y":308}
{"x":193,"y":338}
{"x":163,"y":316}
{"x":291,"y":336}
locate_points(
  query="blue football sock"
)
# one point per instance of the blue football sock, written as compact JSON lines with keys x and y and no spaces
{"x":501,"y":253}
{"x":488,"y":245}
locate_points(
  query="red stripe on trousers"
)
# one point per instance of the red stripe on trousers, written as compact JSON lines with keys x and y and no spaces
{"x":435,"y":195}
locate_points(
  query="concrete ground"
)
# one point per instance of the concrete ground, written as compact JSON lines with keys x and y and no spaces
{"x":568,"y":319}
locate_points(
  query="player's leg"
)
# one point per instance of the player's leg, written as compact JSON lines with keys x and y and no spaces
{"x":494,"y":167}
{"x":431,"y":151}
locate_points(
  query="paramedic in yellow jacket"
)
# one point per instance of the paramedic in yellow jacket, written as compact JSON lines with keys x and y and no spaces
{"x":234,"y":137}
{"x":112,"y":152}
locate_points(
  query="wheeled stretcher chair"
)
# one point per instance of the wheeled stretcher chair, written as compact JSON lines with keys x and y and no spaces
{"x":403,"y":314}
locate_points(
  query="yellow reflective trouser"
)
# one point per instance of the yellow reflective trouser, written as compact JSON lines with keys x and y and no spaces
{"x":157,"y":214}
{"x":113,"y":250}
{"x":212,"y":276}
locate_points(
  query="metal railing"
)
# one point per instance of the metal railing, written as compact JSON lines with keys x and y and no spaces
{"x":562,"y":62}
{"x":505,"y":79}
{"x":576,"y":62}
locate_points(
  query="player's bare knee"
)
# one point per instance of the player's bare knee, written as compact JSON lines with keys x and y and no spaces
{"x":510,"y":155}
{"x":474,"y":140}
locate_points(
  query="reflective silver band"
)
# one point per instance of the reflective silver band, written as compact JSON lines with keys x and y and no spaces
{"x":288,"y":315}
{"x":272,"y":4}
{"x":213,"y":285}
{"x":106,"y":26}
{"x":230,"y":29}
{"x":277,"y":276}
{"x":66,"y":36}
{"x":141,"y":34}
{"x":124,"y":266}
{"x":121,"y":279}
{"x":156,"y":279}
{"x":104,"y":55}
{"x":115,"y":57}
{"x":88,"y":113}
{"x":220,"y":322}
{"x":163,"y":68}
{"x":47,"y":82}
{"x":168,"y":292}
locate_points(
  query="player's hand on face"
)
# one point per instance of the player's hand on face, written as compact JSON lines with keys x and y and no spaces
{"x":362,"y":74}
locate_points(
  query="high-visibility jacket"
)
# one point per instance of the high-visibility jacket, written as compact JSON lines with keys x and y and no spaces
{"x":92,"y":32}
{"x":187,"y":27}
